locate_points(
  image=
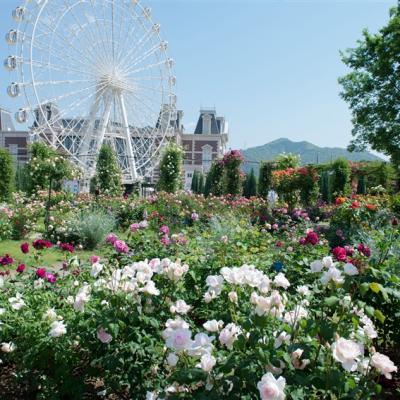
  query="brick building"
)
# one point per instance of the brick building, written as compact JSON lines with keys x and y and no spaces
{"x":207,"y":143}
{"x":15,"y":141}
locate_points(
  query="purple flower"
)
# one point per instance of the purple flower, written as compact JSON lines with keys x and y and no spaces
{"x":195,"y":216}
{"x":111,"y":238}
{"x":165,"y":240}
{"x":51,"y":278}
{"x":164,"y":230}
{"x":121,"y":247}
{"x":135,"y":227}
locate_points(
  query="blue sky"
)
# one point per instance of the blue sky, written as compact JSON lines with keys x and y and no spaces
{"x":270,"y":67}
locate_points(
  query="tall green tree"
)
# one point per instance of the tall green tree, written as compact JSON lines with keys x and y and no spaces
{"x":250,"y":185}
{"x":171,"y":169}
{"x":6,"y":175}
{"x":195,"y":182}
{"x":108,"y":179}
{"x":372,"y":89}
{"x":326,"y":187}
{"x":265,"y":178}
{"x":48,"y":169}
{"x":341,"y":173}
{"x":200,"y":186}
{"x":215,"y":179}
{"x":361,"y":185}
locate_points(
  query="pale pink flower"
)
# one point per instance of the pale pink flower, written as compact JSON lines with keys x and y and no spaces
{"x":104,"y":336}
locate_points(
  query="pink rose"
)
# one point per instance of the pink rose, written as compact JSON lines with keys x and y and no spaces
{"x":121,"y":247}
{"x":104,"y":336}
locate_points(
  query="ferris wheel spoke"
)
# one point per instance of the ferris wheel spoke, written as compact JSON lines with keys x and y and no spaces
{"x":70,"y":45}
{"x":66,"y":95}
{"x":135,"y":71}
{"x":128,"y":37}
{"x":59,"y":55}
{"x":142,"y":58}
{"x":67,"y":110}
{"x":141,"y":42}
{"x":93,"y":35}
{"x":54,"y":67}
{"x":139,"y":112}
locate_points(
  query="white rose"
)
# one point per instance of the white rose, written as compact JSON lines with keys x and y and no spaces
{"x":172,"y":359}
{"x":96,"y":269}
{"x":57,"y":329}
{"x":207,"y":362}
{"x":334,"y":275}
{"x":350,"y":269}
{"x":16,"y":302}
{"x":271,"y":388}
{"x":281,"y":281}
{"x":229,"y":335}
{"x":213,"y":325}
{"x":303,"y":290}
{"x":50,"y":314}
{"x":316,"y":266}
{"x":180,"y":307}
{"x":180,"y":339}
{"x":328,"y":262}
{"x":233,"y":297}
{"x":2,"y":311}
{"x":283,"y":337}
{"x":7,"y":347}
{"x":383,"y":364}
{"x":347,"y":352}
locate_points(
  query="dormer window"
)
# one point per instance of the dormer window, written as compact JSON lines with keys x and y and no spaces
{"x":206,"y":124}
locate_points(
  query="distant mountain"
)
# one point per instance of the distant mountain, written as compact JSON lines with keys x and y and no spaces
{"x":309,"y":153}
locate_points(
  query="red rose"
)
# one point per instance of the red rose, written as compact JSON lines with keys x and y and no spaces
{"x":312,"y":238}
{"x":21,"y":268}
{"x":339,"y":253}
{"x":41,"y":273}
{"x":25,"y":248}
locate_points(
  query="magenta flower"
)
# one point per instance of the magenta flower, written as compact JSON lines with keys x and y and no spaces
{"x":51,"y":278}
{"x":94,"y":259}
{"x":25,"y":248}
{"x":66,"y":247}
{"x":111,"y":238}
{"x":41,"y":244}
{"x":312,"y":238}
{"x":6,"y":260}
{"x":121,"y":247}
{"x":135,"y":227}
{"x":41,"y":273}
{"x":165,"y":240}
{"x":339,"y":253}
{"x":164,"y":230}
{"x":21,"y":268}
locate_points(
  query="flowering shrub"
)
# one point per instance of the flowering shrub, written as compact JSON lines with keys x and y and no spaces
{"x":208,"y":298}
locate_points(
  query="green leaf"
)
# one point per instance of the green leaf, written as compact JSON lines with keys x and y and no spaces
{"x":331,"y":301}
{"x":375,"y":287}
{"x":378,"y":314}
{"x":364,"y":288}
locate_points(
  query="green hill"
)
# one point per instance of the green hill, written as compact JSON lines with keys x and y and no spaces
{"x":309,"y":153}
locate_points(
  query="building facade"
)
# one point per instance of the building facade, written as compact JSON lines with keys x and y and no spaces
{"x":16,"y":142}
{"x":207,"y":143}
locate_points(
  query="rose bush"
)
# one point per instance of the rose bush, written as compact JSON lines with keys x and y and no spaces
{"x":228,"y":304}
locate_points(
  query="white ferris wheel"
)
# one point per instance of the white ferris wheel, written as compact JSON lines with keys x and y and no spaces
{"x":93,"y":71}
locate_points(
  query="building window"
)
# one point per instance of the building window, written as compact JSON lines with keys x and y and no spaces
{"x":206,"y":157}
